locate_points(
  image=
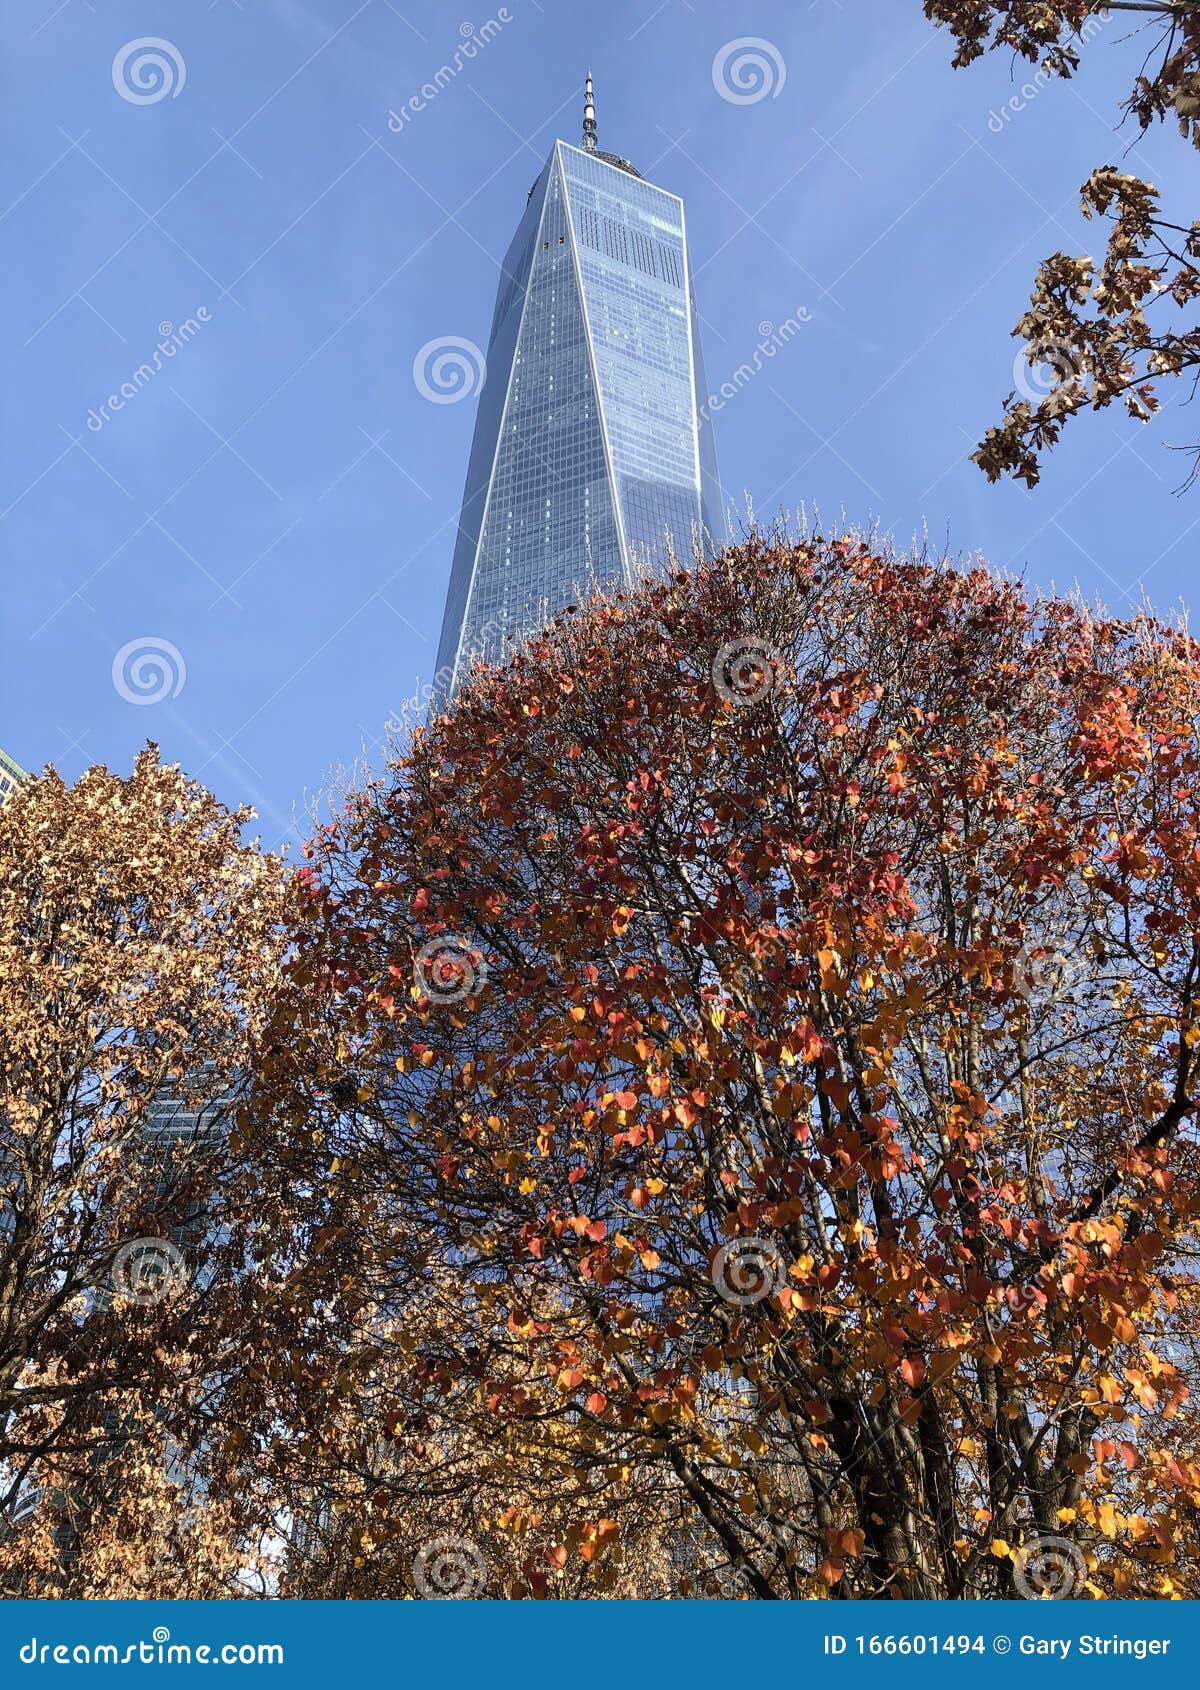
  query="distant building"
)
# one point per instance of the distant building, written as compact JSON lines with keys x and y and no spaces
{"x":10,"y":773}
{"x":175,"y":1130}
{"x":593,"y":453}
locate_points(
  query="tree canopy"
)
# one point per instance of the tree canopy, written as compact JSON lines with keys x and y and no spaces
{"x":141,"y":943}
{"x":714,"y":1116}
{"x":751,"y":1043}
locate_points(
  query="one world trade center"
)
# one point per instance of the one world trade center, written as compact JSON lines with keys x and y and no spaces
{"x":593,"y":456}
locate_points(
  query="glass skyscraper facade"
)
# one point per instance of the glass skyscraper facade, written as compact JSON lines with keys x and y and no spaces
{"x":592,"y":458}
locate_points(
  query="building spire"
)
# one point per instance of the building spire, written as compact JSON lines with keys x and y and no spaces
{"x":589,"y":117}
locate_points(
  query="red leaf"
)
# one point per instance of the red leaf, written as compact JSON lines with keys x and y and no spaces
{"x":912,"y":1371}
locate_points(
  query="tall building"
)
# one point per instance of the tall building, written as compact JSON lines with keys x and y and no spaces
{"x":178,"y":1132}
{"x":592,"y":456}
{"x":10,"y":773}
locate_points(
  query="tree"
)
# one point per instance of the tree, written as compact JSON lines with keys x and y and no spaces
{"x":744,"y":1055}
{"x":140,"y":942}
{"x":1107,"y":332}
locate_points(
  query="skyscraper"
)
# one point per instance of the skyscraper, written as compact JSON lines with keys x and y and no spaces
{"x":592,"y":457}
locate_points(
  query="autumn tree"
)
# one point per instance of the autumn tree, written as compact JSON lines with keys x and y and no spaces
{"x":744,"y":1057}
{"x":140,"y":942}
{"x":1100,"y":333}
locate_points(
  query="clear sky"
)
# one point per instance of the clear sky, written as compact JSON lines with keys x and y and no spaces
{"x":275,"y":506}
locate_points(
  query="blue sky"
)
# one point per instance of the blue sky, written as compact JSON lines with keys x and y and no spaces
{"x":276,"y":506}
